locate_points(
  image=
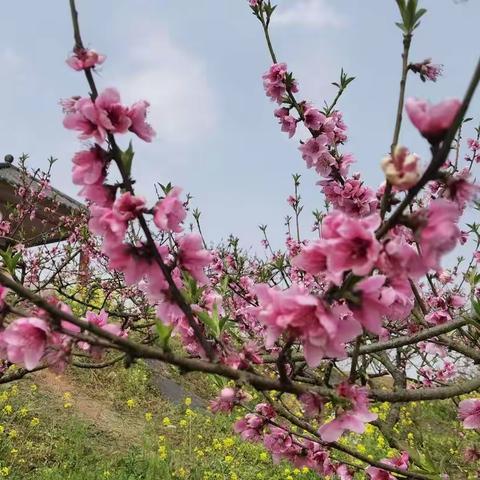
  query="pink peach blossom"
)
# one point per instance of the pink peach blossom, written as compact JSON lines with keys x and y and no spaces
{"x":433,"y":121}
{"x":88,"y":167}
{"x":250,"y":427}
{"x":226,"y":401}
{"x":469,"y":412}
{"x":375,"y":301}
{"x":137,"y":114}
{"x":83,"y":58}
{"x":193,"y":257}
{"x":349,"y":244}
{"x":313,"y":119}
{"x":127,"y":206}
{"x":353,"y":419}
{"x":98,"y":194}
{"x":353,"y":197}
{"x":97,"y":118}
{"x":3,"y":295}
{"x":169,"y":213}
{"x":400,"y":463}
{"x":303,"y":315}
{"x":403,"y":170}
{"x":26,"y":340}
{"x":104,"y":222}
{"x":315,"y":153}
{"x":440,"y":232}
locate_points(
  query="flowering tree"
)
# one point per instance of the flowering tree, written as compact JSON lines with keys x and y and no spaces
{"x":312,"y":328}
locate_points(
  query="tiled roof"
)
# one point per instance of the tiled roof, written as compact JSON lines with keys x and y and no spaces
{"x":13,"y":176}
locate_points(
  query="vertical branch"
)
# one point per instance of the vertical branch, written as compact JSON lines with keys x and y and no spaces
{"x":176,"y":294}
{"x":407,"y":40}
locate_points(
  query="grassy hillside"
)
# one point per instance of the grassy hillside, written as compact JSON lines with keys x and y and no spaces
{"x":112,"y":424}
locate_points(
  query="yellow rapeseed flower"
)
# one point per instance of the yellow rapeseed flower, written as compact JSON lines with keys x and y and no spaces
{"x":23,"y":412}
{"x":166,"y":422}
{"x":162,"y":452}
{"x":148,"y":416}
{"x":181,"y":472}
{"x":5,"y":471}
{"x":228,"y":442}
{"x":34,"y":421}
{"x":7,"y":410}
{"x":188,"y":401}
{"x":130,"y":403}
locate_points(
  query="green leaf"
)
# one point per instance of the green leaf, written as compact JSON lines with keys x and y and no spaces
{"x":219,"y":381}
{"x":211,"y":322}
{"x":10,"y":260}
{"x":164,"y":333}
{"x":476,"y":307}
{"x":127,"y":158}
{"x":191,"y":290}
{"x":223,"y":323}
{"x":401,"y":5}
{"x":420,"y":13}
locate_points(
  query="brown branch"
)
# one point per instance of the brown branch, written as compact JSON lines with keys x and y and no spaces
{"x":177,"y":296}
{"x":407,"y":40}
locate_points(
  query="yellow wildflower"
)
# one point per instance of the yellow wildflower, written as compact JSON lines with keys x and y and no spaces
{"x":34,"y":421}
{"x":166,"y":422}
{"x":7,"y":410}
{"x":228,"y":442}
{"x":5,"y":471}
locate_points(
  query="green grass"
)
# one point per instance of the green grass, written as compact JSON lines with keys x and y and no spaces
{"x":50,"y":433}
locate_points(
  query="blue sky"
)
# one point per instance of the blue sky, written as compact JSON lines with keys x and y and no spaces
{"x":199,"y":63}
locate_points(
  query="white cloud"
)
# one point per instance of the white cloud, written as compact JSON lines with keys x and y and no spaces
{"x":174,"y":81}
{"x":309,"y":13}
